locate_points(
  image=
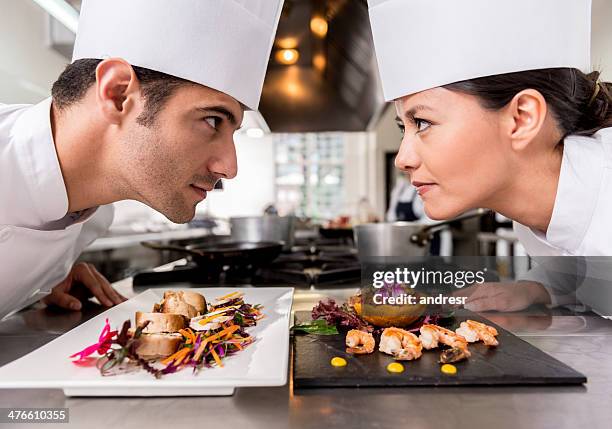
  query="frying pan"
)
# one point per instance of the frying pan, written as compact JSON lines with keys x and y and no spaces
{"x":229,"y":253}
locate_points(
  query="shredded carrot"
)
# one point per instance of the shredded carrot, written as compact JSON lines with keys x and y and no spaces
{"x":228,"y":295}
{"x":208,"y":319}
{"x":229,"y":330}
{"x":169,"y":359}
{"x":215,"y":356}
{"x":188,"y":334}
{"x":176,"y":355}
{"x":214,"y":337}
{"x":182,"y":357}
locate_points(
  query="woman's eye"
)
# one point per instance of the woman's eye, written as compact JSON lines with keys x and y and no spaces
{"x":213,"y":121}
{"x":402,"y":128}
{"x":421,"y":125}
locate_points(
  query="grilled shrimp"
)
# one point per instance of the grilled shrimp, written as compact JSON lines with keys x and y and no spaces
{"x":359,"y":342}
{"x":429,"y":336}
{"x":474,"y":331}
{"x":432,"y":335}
{"x":401,"y":344}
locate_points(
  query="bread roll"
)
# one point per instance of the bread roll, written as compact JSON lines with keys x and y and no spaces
{"x":160,"y":322}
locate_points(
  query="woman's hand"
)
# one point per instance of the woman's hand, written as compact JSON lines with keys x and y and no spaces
{"x":504,"y":296}
{"x":83,"y":278}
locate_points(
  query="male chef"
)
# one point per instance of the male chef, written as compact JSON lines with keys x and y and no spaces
{"x":146,"y":111}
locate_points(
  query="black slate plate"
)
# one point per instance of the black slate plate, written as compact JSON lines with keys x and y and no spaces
{"x":513,"y":362}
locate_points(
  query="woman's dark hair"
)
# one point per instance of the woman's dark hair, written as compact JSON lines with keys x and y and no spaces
{"x":79,"y":76}
{"x":579,"y":102}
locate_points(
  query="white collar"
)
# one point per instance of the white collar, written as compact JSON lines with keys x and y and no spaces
{"x":38,"y":158}
{"x":577,"y":193}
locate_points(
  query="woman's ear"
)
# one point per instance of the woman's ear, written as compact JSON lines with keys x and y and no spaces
{"x":117,"y":89}
{"x":526,"y":115}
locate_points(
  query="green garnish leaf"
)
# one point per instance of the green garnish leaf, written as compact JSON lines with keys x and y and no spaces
{"x":238,"y":319}
{"x":316,"y":327}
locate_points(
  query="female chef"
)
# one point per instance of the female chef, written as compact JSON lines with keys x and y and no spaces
{"x":499,"y":109}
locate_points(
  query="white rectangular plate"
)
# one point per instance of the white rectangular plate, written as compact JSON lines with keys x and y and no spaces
{"x":263,"y":363}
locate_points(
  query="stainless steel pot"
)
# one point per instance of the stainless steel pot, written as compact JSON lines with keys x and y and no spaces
{"x":400,"y":239}
{"x":388,"y":239}
{"x":264,"y":228}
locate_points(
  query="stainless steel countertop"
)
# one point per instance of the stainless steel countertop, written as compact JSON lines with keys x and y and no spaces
{"x":583,"y":342}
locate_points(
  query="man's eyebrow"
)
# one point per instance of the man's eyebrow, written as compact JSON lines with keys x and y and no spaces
{"x":223,"y":111}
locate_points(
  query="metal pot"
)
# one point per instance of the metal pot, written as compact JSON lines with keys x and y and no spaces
{"x":264,"y":228}
{"x":400,"y":239}
{"x":388,"y":239}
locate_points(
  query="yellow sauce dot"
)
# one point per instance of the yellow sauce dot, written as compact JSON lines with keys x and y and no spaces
{"x":447,"y":368}
{"x":395,"y":367}
{"x":338,"y":361}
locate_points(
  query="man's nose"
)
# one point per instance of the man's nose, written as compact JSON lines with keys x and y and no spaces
{"x":224,"y":163}
{"x":407,"y":158}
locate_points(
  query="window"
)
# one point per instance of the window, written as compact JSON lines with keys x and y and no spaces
{"x":310,"y":174}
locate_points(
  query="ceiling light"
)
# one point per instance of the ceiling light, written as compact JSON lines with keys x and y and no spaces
{"x":287,"y":56}
{"x":319,"y":62}
{"x":287,"y":43}
{"x":318,"y":26}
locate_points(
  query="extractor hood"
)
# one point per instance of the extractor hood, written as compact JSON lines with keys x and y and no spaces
{"x":322,"y":73}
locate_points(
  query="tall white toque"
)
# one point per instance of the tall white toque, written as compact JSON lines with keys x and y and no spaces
{"x":222,"y":44}
{"x":423,"y":44}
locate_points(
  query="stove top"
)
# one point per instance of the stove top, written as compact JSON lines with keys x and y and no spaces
{"x":304,"y":266}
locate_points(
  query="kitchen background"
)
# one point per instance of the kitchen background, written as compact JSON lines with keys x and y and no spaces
{"x":321,"y":147}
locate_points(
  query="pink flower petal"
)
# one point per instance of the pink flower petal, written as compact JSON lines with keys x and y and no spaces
{"x":102,"y":346}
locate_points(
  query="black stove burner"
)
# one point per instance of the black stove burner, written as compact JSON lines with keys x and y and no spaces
{"x":305,"y":266}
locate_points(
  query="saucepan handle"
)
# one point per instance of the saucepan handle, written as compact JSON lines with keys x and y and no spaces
{"x":422,"y":237}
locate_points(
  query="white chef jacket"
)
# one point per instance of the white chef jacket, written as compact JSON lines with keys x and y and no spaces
{"x":39,"y":240}
{"x":581,"y":223}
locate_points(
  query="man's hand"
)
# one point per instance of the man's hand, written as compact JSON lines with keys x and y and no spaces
{"x":83,"y":276}
{"x":504,"y":296}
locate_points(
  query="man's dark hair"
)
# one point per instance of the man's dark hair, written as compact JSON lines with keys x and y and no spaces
{"x":581,"y":104}
{"x":79,"y":76}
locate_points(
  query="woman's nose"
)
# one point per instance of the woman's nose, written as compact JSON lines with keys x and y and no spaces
{"x":407,"y":159}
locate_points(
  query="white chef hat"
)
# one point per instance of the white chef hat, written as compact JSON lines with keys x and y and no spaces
{"x":222,"y":44}
{"x":423,"y":44}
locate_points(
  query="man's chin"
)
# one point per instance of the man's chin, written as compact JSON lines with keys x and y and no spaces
{"x":178,"y":216}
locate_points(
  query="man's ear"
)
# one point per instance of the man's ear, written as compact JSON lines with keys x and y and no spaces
{"x":526,"y":114}
{"x":117,"y":89}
